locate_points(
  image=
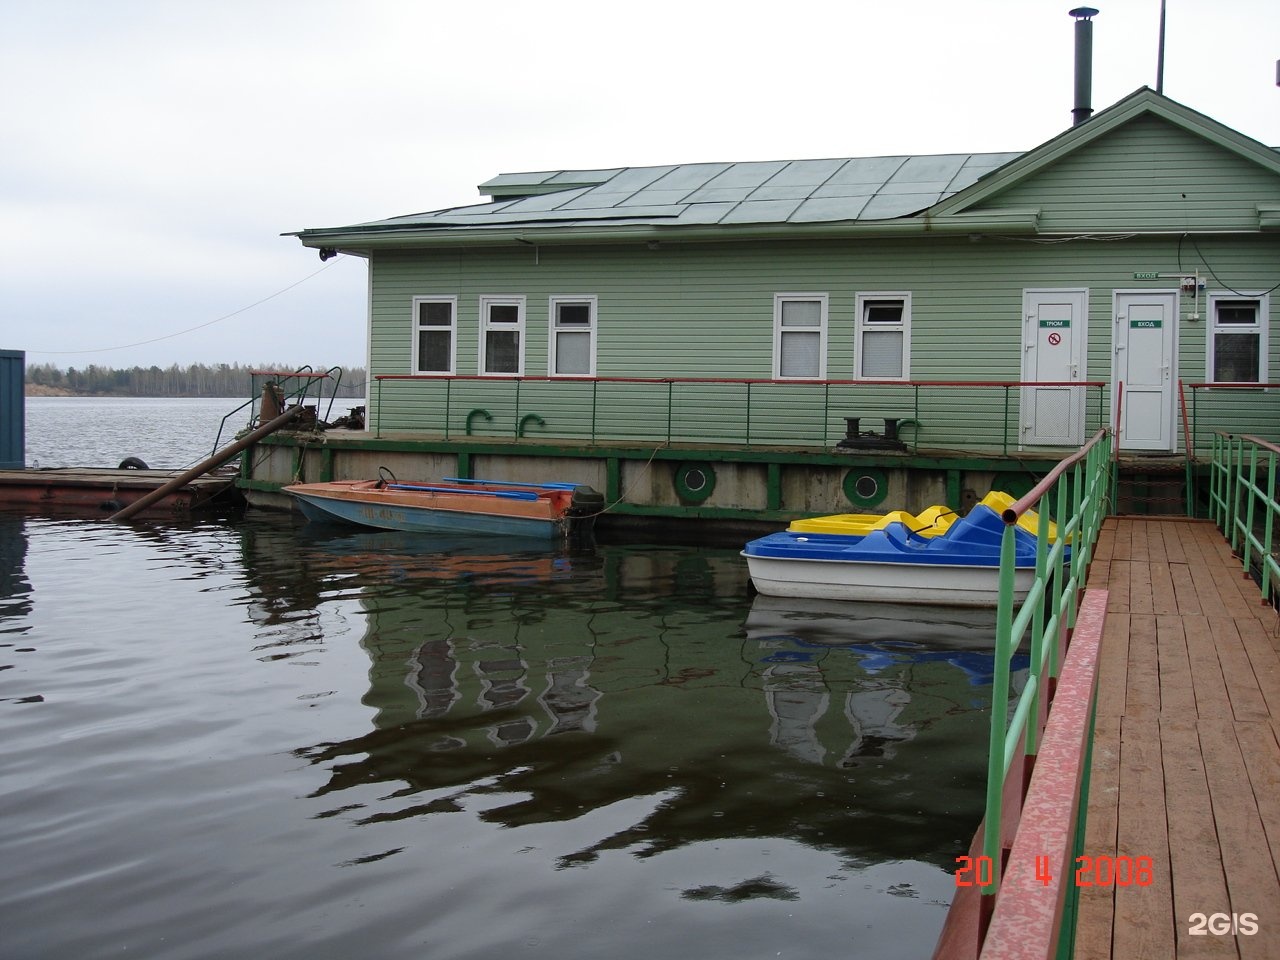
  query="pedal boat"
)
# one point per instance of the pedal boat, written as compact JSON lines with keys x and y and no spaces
{"x":893,"y":565}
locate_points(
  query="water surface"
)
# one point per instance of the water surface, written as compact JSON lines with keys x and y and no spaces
{"x":266,"y":738}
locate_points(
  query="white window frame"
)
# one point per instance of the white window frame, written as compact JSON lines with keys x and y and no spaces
{"x":496,"y":300}
{"x":1259,"y":329}
{"x":778,"y":330}
{"x":553,"y":340}
{"x":861,"y":327}
{"x":417,"y":326}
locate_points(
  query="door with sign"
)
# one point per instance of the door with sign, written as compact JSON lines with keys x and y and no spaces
{"x":1054,"y":332}
{"x":1145,"y":345}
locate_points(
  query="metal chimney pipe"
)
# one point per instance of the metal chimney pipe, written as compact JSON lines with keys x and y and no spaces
{"x":1084,"y":64}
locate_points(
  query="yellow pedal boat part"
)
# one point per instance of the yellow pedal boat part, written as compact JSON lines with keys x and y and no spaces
{"x":930,"y":523}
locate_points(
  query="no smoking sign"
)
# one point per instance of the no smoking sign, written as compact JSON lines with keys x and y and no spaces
{"x":1055,"y":339}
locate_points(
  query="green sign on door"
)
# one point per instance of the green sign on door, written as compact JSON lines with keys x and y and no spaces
{"x":1145,"y":324}
{"x":1055,"y":323}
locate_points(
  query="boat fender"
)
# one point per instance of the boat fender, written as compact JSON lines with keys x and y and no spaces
{"x":132,"y":463}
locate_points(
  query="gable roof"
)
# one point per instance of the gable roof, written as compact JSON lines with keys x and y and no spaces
{"x":701,"y":201}
{"x":1142,"y":102}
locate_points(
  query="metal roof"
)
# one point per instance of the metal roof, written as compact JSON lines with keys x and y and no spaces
{"x":867,"y":195}
{"x":760,"y":192}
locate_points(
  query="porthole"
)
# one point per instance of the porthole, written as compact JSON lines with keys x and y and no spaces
{"x":695,"y":481}
{"x":866,"y":487}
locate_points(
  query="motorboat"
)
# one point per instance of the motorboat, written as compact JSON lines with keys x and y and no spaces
{"x":453,"y":505}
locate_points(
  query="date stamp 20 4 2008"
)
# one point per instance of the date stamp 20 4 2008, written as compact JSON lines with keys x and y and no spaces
{"x":1089,"y":871}
{"x":1106,"y":871}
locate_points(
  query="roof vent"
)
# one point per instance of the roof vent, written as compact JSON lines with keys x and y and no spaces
{"x":1084,"y":63}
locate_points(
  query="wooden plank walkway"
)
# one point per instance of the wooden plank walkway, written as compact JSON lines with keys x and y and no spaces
{"x":1186,"y":761}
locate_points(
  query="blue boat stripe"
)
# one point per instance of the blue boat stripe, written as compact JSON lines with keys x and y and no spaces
{"x":554,"y":485}
{"x":504,"y":494}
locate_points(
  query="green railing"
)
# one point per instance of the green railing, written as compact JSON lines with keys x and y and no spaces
{"x":1211,"y":409}
{"x":292,"y":386}
{"x":1074,"y":496}
{"x":1243,"y":503}
{"x":935,"y":413}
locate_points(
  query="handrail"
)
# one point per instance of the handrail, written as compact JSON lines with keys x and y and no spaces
{"x":1012,"y":514}
{"x":1227,"y":411}
{"x":490,"y":378}
{"x":306,"y":377}
{"x":1195,"y":387}
{"x":1245,"y":510}
{"x":1264,"y":444}
{"x":1075,"y":494}
{"x":736,"y":413}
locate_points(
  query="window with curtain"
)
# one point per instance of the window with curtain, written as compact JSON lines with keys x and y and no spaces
{"x":799,"y":336}
{"x":883,"y":335}
{"x":573,"y":337}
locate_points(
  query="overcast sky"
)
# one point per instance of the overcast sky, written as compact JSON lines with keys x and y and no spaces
{"x":154,"y":152}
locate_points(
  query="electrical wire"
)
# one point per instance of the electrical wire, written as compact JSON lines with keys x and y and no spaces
{"x":1218,"y":279}
{"x":199,"y":326}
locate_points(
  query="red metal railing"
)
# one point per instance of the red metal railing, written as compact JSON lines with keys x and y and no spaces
{"x":738,"y":407}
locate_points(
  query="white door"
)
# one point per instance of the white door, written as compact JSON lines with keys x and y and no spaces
{"x":1054,"y":332}
{"x":1142,"y":381}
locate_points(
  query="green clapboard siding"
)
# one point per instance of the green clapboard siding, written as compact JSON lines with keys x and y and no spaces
{"x":706,"y":311}
{"x":1148,"y":175}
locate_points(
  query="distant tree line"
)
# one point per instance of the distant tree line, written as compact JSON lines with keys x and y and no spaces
{"x":195,"y":380}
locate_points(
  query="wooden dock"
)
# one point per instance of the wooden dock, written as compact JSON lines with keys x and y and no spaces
{"x":96,"y":491}
{"x":1185,"y":766}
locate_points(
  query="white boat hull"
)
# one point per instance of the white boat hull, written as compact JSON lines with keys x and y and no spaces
{"x":951,"y":585}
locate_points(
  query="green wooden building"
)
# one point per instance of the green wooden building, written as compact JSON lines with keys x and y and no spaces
{"x":764,"y":340}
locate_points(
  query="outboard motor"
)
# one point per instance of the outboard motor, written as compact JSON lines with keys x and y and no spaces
{"x":586,"y":501}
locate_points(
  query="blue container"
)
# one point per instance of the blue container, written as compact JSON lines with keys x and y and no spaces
{"x":13,"y":368}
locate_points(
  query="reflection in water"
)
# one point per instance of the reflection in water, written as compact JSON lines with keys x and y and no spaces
{"x":15,"y":596}
{"x":15,"y":589}
{"x":567,"y":682}
{"x":881,"y":637}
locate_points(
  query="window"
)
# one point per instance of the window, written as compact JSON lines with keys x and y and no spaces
{"x":434,"y":334}
{"x":799,"y":336}
{"x":502,"y":336}
{"x":883,"y":335}
{"x":572,"y":351}
{"x":1237,"y":340}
